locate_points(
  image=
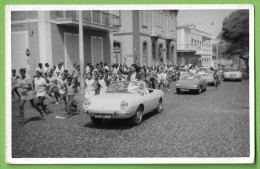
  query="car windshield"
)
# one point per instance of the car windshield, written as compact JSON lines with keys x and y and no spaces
{"x":231,"y":70}
{"x":205,"y":69}
{"x":207,"y":75}
{"x":189,"y":76}
{"x":126,"y":87}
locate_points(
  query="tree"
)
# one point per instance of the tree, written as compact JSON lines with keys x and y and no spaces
{"x":235,"y":36}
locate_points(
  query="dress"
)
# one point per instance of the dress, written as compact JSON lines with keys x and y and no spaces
{"x":40,"y":86}
{"x":62,"y":86}
{"x":27,"y":92}
{"x":103,"y":86}
{"x":90,"y":90}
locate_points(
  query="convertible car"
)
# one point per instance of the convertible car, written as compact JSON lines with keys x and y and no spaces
{"x":124,"y":99}
{"x":191,"y":82}
{"x":232,"y":74}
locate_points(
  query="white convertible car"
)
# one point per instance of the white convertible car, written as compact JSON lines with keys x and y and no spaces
{"x":232,"y":74}
{"x":124,"y":99}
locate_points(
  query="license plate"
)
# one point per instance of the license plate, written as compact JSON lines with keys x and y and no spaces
{"x":184,"y":90}
{"x":103,"y":116}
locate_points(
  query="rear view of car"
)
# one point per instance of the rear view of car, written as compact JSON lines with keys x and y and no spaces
{"x":209,"y":77}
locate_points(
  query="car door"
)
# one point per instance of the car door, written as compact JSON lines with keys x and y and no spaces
{"x":150,"y":101}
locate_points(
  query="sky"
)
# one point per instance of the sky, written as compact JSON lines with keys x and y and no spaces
{"x":203,"y":19}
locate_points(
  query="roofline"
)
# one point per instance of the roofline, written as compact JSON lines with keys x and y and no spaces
{"x":184,"y":26}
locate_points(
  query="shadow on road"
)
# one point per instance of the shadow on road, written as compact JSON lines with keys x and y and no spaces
{"x":118,"y":124}
{"x":32,"y":119}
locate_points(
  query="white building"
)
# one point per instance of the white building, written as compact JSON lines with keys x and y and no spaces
{"x":194,"y":46}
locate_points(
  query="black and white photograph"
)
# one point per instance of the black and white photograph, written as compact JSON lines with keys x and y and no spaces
{"x":140,"y":84}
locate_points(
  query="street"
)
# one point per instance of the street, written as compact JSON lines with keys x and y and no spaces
{"x":212,"y":124}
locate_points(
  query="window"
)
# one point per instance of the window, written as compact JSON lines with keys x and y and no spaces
{"x":160,"y":19}
{"x":144,"y":48}
{"x":144,"y":18}
{"x":153,"y":50}
{"x":172,"y":23}
{"x":116,"y":47}
{"x":192,"y":41}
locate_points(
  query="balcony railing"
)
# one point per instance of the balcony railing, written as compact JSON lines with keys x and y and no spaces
{"x":188,"y":47}
{"x":170,"y":35}
{"x":95,"y":17}
{"x":156,"y":31}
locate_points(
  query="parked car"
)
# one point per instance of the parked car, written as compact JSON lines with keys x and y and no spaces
{"x":191,"y":82}
{"x":124,"y":99}
{"x":232,"y":74}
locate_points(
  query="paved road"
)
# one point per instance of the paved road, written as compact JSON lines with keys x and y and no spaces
{"x":212,"y":124}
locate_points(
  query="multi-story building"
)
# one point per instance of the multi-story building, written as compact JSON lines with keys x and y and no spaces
{"x":146,"y":37}
{"x":51,"y":36}
{"x":194,"y":47}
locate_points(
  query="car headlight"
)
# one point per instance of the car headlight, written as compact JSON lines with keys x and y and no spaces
{"x":124,"y":105}
{"x":194,"y":85}
{"x":177,"y":84}
{"x":86,"y":104}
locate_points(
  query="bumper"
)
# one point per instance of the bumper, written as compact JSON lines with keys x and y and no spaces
{"x":210,"y":82}
{"x":232,"y":78}
{"x":110,"y":114}
{"x":186,"y":88}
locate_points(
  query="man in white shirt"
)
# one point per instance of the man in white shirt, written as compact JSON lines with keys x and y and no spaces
{"x":88,"y":68}
{"x":40,"y":69}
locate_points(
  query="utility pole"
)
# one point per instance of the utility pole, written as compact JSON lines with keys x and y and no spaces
{"x":81,"y":50}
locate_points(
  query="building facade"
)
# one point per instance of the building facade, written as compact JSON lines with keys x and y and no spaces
{"x":51,"y":36}
{"x":194,"y":47}
{"x":146,"y":37}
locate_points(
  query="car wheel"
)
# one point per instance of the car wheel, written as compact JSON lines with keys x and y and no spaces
{"x":138,"y":117}
{"x":178,"y":91}
{"x":96,"y":121}
{"x":199,"y":90}
{"x":159,"y":107}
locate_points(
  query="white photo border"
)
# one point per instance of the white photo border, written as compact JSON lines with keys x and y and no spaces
{"x":182,"y":160}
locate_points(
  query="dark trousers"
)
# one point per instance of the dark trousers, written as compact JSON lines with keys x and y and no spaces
{"x":152,"y":83}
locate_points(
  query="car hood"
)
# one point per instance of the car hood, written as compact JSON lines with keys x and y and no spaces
{"x":110,"y":99}
{"x":208,"y":77}
{"x":227,"y":73}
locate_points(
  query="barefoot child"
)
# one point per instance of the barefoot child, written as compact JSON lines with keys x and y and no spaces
{"x":71,"y":90}
{"x":62,"y":90}
{"x":15,"y":79}
{"x":27,"y":94}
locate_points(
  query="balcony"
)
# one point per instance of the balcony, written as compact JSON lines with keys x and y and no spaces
{"x":170,"y":35}
{"x":156,"y":31}
{"x":187,"y":48}
{"x":92,"y":19}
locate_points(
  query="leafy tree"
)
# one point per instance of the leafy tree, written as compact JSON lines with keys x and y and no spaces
{"x":235,"y":36}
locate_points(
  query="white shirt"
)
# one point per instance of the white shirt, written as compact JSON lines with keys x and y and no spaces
{"x":87,"y":69}
{"x":133,"y":76}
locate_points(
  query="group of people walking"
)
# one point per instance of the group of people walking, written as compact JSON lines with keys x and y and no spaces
{"x":62,"y":85}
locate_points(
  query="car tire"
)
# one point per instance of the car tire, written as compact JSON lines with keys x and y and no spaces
{"x":138,"y":117}
{"x":199,"y":90}
{"x":178,"y":91}
{"x":159,"y":107}
{"x":96,"y":121}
